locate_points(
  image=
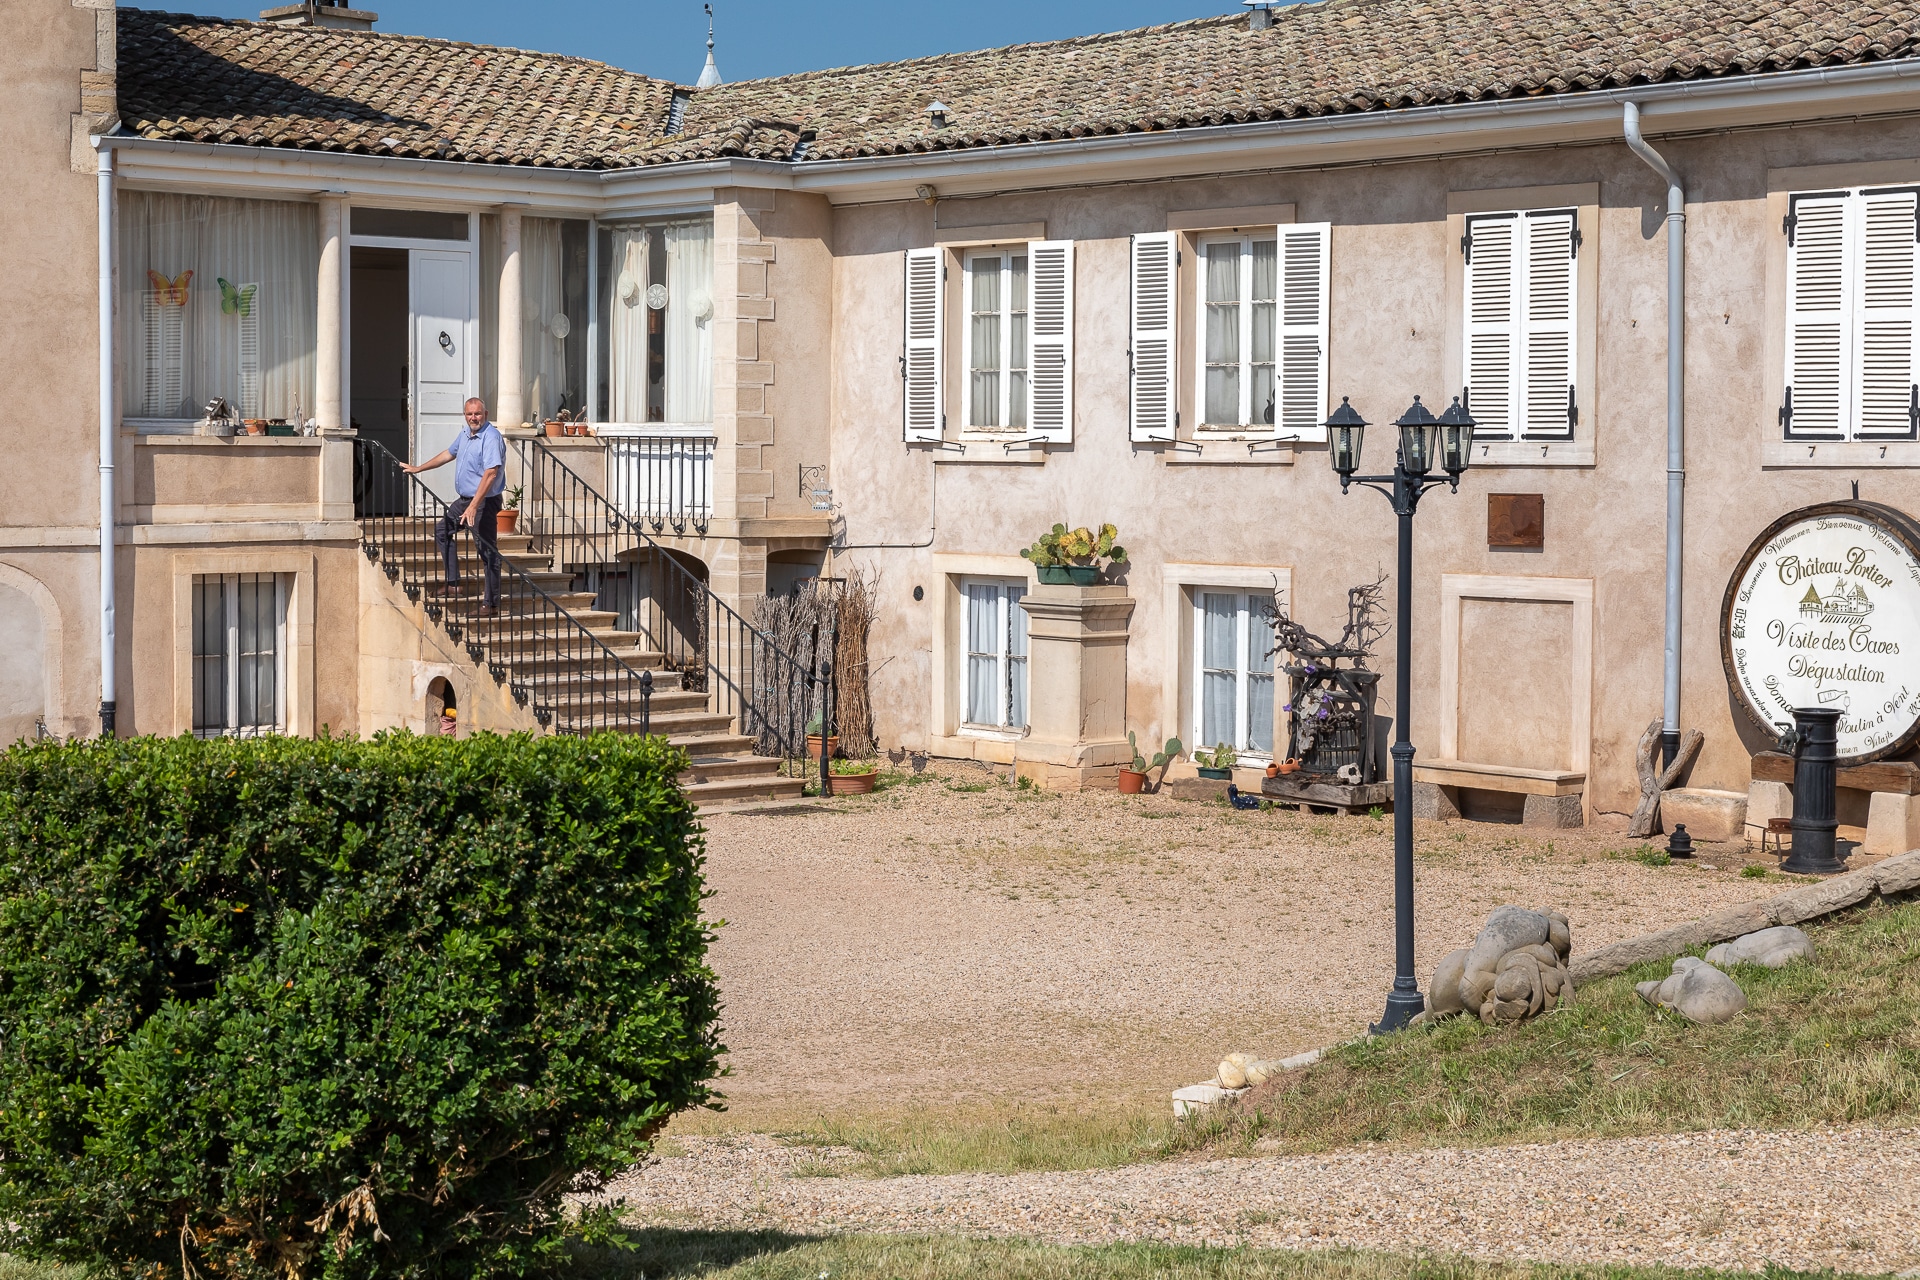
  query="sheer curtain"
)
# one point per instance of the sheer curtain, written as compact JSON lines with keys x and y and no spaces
{"x":1222,"y":406}
{"x":626,"y":275}
{"x":220,"y":298}
{"x":542,"y":298}
{"x":690,"y":322}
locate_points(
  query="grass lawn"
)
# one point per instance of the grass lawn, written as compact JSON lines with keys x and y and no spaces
{"x":1835,"y":1042}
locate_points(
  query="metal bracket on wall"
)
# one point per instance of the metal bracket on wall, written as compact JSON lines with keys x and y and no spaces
{"x":812,"y":478}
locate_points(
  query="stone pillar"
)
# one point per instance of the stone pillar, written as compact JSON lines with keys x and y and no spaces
{"x":512,"y":409}
{"x":1076,"y":686}
{"x":329,"y":364}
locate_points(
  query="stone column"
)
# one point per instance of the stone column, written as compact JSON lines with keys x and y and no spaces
{"x":329,"y":364}
{"x":1076,"y":686}
{"x":512,"y":409}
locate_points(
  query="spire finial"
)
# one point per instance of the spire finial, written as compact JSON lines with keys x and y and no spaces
{"x":709,"y":74}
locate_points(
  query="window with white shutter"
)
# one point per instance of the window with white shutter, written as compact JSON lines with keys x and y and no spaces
{"x":1050,"y":321}
{"x":1852,"y":368}
{"x":1151,"y":414}
{"x":920,"y":360}
{"x":995,"y":347}
{"x":1519,"y":349}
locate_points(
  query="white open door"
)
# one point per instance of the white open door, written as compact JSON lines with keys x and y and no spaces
{"x":444,"y":367}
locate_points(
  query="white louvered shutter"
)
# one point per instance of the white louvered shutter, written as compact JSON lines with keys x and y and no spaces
{"x":1818,"y":317}
{"x":1888,"y":385}
{"x":1151,"y":315}
{"x":1491,"y":332}
{"x":1303,"y":330}
{"x":1548,"y":308}
{"x":1050,"y":324}
{"x":250,"y":403}
{"x":924,"y":392}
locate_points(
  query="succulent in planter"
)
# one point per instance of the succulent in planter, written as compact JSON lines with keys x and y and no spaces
{"x":1063,"y":555}
{"x":852,"y":777}
{"x":1217,"y":763}
{"x":514,"y":495}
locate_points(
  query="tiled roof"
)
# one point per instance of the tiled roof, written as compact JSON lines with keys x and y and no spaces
{"x":1329,"y":58}
{"x":213,"y":80}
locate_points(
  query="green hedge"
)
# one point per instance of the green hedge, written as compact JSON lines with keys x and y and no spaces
{"x":256,"y":997}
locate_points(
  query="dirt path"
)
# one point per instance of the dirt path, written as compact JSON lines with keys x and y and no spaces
{"x":1844,"y":1199}
{"x":956,"y":940}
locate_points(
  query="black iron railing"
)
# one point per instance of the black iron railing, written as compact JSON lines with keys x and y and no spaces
{"x":662,"y":481}
{"x":663,"y":597}
{"x":538,"y":644}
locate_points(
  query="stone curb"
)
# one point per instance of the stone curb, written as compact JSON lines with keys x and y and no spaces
{"x":1894,"y":877}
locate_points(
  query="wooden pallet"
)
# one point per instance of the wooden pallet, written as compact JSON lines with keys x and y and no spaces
{"x":1317,"y":793}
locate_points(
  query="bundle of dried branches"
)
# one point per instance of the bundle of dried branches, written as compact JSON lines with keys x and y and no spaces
{"x":803,"y":625}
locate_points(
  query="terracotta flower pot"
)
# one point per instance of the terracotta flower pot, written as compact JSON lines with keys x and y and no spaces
{"x":1132,"y":782}
{"x":1273,"y":770}
{"x":507,"y":521}
{"x":556,"y":429}
{"x":1289,"y":766}
{"x":852,"y":784}
{"x":813,"y":746}
{"x":256,"y":426}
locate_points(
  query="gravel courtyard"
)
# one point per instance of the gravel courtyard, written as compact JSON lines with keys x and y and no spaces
{"x":1845,"y":1199}
{"x":955,"y":940}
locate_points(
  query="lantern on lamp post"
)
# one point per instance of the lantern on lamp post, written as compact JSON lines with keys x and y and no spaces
{"x":1424,"y":439}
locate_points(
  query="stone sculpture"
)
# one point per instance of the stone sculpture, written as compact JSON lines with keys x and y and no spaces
{"x":1768,"y":948}
{"x":1696,"y":991}
{"x":1515,"y":969}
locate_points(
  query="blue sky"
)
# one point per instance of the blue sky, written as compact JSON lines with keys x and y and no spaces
{"x":754,"y":38}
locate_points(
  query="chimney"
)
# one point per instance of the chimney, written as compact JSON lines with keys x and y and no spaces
{"x":320,"y":13}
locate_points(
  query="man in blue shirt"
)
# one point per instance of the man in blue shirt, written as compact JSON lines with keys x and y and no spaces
{"x":479,"y":456}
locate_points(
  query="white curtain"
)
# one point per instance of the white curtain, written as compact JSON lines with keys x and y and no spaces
{"x":542,"y":298}
{"x":690,"y":322}
{"x":220,"y":298}
{"x":626,"y":275}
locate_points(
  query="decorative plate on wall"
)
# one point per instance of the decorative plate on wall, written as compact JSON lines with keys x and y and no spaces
{"x":657,"y":296}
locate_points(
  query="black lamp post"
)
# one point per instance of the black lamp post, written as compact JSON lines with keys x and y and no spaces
{"x":1423,"y":437}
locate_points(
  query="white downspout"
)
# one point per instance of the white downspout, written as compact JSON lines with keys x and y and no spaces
{"x":1676,"y":422}
{"x":107,"y":441}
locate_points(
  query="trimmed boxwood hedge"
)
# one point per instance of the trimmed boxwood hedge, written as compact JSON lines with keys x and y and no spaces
{"x":334,"y":1009}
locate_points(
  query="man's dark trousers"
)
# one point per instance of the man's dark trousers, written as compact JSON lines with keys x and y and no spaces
{"x":485,"y":533}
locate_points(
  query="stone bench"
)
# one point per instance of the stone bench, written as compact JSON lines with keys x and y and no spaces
{"x":1551,"y":797}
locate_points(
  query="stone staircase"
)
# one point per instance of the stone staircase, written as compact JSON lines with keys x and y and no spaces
{"x":724,"y":768}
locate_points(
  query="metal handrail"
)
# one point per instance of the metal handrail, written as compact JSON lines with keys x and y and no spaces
{"x":652,"y":590}
{"x":549,"y":659}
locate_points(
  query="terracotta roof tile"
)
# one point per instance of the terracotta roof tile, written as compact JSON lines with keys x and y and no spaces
{"x":208,"y":79}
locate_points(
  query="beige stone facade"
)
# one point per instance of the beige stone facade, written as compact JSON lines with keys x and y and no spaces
{"x":1540,"y":667}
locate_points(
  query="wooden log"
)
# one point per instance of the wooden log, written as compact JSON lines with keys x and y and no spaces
{"x":1900,"y":777}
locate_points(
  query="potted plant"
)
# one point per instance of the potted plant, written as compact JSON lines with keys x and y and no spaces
{"x":813,"y":740}
{"x":1133,"y":778}
{"x":1217,"y":763}
{"x":852,"y":777}
{"x":1064,"y":556}
{"x":509,"y":518}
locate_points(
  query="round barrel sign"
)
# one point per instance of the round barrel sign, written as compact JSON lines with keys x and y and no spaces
{"x":1824,"y":611}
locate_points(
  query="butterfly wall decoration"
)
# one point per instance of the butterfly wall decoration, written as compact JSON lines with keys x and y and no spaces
{"x":236,"y":300}
{"x":170,"y":293}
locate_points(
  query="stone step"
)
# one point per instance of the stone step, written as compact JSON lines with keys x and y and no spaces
{"x":733,"y":791}
{"x":718,"y":768}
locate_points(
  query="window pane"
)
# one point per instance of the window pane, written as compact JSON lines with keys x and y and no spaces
{"x":1017,"y":693}
{"x":1219,"y":662}
{"x":209,"y":657}
{"x":1218,"y":650}
{"x":258,"y":657}
{"x":983,"y":653}
{"x":1223,"y":335}
{"x":1216,"y":719}
{"x":1017,"y":346}
{"x":1260,"y":713}
{"x":983,"y":275}
{"x":1016,"y":658}
{"x":1265,"y":286}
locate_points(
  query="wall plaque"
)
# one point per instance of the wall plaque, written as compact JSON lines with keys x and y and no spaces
{"x":1824,"y":611}
{"x":1517,"y":520}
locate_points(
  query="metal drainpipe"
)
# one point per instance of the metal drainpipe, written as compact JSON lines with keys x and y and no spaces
{"x":107,"y":434}
{"x":1676,"y":421}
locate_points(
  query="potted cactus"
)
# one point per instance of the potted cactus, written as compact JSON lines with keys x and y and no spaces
{"x":1133,"y":778}
{"x":1217,"y":763}
{"x":1064,"y":556}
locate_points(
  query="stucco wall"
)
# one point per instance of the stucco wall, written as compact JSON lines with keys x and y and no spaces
{"x":49,"y":425}
{"x":1391,"y":251}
